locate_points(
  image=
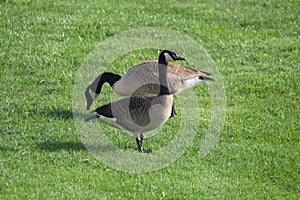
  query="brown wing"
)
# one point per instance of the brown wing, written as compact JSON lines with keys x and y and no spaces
{"x":183,"y":72}
{"x":143,"y":78}
{"x":177,"y":70}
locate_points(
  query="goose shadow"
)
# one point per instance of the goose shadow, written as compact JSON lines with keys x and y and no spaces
{"x":71,"y":146}
{"x":61,"y":114}
{"x":57,"y":113}
{"x":7,"y":149}
{"x":59,"y":145}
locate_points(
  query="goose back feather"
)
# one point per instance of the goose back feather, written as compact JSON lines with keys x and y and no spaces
{"x":143,"y":78}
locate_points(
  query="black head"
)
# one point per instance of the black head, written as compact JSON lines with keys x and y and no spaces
{"x":169,"y":55}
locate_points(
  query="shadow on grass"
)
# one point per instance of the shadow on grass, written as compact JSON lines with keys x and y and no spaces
{"x":60,"y":114}
{"x":7,"y":149}
{"x":70,"y":146}
{"x":58,"y":145}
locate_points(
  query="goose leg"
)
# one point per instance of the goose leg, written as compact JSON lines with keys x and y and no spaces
{"x":139,"y":141}
{"x":173,"y":112}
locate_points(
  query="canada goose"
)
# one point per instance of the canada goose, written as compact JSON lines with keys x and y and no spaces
{"x":143,"y":78}
{"x":142,"y":112}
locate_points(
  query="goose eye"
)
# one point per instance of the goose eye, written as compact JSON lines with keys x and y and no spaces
{"x":201,"y":78}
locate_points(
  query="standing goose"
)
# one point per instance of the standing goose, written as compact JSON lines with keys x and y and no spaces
{"x":143,"y":78}
{"x":142,"y":112}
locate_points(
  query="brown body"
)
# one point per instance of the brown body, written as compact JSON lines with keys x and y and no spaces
{"x":137,"y":114}
{"x":143,"y":78}
{"x":143,"y":112}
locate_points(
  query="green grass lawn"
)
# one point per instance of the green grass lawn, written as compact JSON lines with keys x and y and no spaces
{"x":255,"y":46}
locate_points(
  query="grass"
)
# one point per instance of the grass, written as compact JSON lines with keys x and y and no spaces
{"x":255,"y":45}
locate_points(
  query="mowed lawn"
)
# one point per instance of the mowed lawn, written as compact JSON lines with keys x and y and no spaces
{"x":254,"y":44}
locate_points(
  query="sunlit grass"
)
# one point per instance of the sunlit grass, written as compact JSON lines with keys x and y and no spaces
{"x":255,"y":45}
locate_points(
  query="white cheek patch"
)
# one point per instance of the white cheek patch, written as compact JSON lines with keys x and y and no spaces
{"x":168,"y":57}
{"x":93,"y":94}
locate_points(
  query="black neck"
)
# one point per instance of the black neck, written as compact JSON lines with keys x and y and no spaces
{"x":102,"y":78}
{"x":162,"y":73}
{"x":162,"y":59}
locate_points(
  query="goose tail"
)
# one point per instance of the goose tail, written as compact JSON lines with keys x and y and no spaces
{"x":205,"y":76}
{"x":91,"y":117}
{"x":105,"y":111}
